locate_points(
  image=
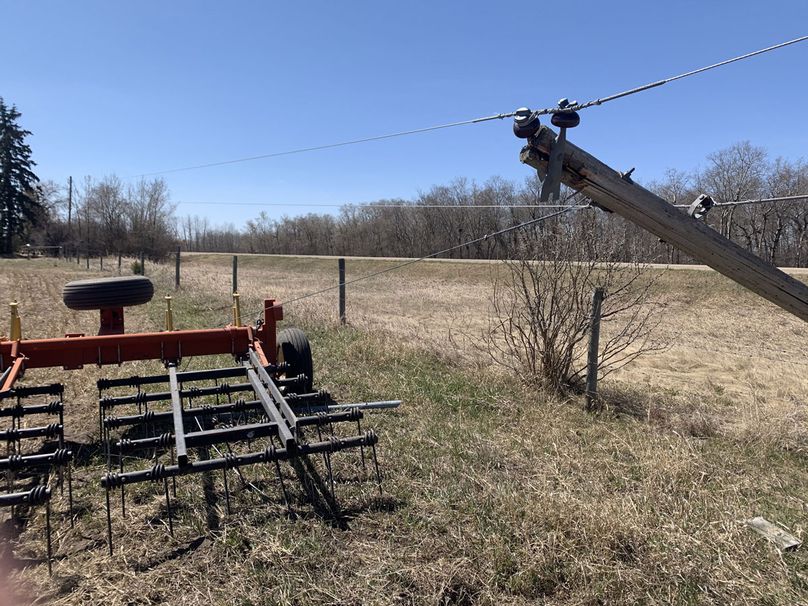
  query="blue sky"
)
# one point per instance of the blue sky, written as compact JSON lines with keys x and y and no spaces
{"x":135,"y":87}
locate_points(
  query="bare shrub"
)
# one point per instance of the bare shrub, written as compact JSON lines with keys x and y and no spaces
{"x":541,"y":308}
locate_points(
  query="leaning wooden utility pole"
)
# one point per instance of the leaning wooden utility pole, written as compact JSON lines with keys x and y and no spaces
{"x":619,"y":194}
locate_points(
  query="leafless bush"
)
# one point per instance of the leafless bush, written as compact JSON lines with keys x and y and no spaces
{"x":541,"y":309}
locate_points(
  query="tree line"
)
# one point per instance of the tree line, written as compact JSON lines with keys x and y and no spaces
{"x":775,"y":231}
{"x":108,"y":216}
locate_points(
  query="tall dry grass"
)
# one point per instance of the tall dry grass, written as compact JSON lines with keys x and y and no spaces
{"x":493,"y":494}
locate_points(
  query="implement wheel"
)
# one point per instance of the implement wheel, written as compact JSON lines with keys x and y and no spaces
{"x":105,"y":293}
{"x":294,"y":349}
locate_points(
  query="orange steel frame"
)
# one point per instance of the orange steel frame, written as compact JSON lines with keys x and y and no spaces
{"x":74,"y":351}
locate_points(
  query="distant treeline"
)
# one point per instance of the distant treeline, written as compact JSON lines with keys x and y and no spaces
{"x":108,"y":216}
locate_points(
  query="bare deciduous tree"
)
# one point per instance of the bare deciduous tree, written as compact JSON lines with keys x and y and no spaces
{"x":542,"y":307}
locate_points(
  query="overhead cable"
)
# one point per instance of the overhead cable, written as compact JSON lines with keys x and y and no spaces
{"x":435,"y":254}
{"x":501,"y":116}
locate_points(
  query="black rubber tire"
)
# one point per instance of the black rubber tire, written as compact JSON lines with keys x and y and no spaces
{"x":103,"y":293}
{"x":295,"y":350}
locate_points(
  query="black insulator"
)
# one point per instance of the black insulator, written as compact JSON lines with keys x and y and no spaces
{"x":525,"y":125}
{"x":566,"y":119}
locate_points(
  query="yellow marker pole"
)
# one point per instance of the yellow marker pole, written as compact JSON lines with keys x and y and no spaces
{"x":16,"y":326}
{"x":236,"y":310}
{"x":169,"y":314}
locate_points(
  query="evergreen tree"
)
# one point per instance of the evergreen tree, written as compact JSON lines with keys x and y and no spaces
{"x":19,"y":189}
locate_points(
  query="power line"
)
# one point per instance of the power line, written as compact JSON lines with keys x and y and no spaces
{"x":302,"y":150}
{"x":465,"y":206}
{"x":374,"y":205}
{"x":650,"y":85}
{"x":435,"y":254}
{"x":501,"y":116}
{"x":755,"y":201}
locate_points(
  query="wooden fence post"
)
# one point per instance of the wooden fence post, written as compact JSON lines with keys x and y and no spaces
{"x":101,"y":262}
{"x":87,"y":259}
{"x":142,"y":264}
{"x":177,"y":271}
{"x":119,"y":263}
{"x":235,"y":273}
{"x":594,"y":350}
{"x":341,"y":264}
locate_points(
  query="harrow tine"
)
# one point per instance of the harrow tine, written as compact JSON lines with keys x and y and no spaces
{"x":244,"y":482}
{"x":376,"y":465}
{"x":70,"y":493}
{"x":48,"y":531}
{"x":168,"y":508}
{"x":101,"y":433}
{"x":109,"y":522}
{"x":316,"y":483}
{"x":327,"y":459}
{"x":123,"y":494}
{"x":226,"y":491}
{"x":361,"y":448}
{"x":173,"y":479}
{"x":283,"y":487}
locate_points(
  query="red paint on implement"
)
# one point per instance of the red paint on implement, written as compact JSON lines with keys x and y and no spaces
{"x":76,"y":351}
{"x":15,"y":372}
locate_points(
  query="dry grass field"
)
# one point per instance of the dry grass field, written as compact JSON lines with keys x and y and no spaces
{"x":493,"y":494}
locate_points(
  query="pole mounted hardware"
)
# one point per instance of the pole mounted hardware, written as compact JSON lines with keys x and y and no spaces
{"x":701,"y":206}
{"x":607,"y":188}
{"x":551,"y":188}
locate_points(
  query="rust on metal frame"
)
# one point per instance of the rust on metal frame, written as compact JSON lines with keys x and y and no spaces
{"x":73,"y":352}
{"x":16,"y":367}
